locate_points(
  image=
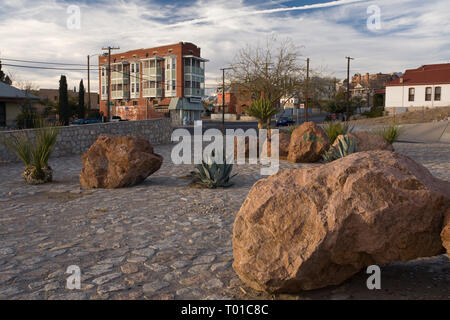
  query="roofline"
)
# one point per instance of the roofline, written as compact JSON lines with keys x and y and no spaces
{"x":415,"y":84}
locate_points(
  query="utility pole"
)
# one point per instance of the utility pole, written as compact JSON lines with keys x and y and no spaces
{"x":307,"y":90}
{"x":347,"y":117}
{"x":223,"y":99}
{"x":109,"y":48}
{"x":89,"y":85}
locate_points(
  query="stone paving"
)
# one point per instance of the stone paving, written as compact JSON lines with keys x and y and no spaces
{"x":159,"y":240}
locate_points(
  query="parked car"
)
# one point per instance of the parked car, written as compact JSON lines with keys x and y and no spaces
{"x":284,"y":121}
{"x":85,"y":121}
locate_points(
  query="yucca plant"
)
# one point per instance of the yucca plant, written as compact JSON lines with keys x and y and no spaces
{"x":390,"y":133}
{"x":211,"y":174}
{"x":35,"y":153}
{"x":333,"y":129}
{"x":263,"y":110}
{"x":346,"y":145}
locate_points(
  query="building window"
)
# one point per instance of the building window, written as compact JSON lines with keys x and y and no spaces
{"x":174,"y":64}
{"x":428,"y":91}
{"x":137,"y":67}
{"x":2,"y":114}
{"x":132,"y":88}
{"x":168,"y":64}
{"x":135,"y":103}
{"x":173,"y":85}
{"x":132,"y":67}
{"x":152,"y":63}
{"x":137,"y":87}
{"x":437,"y":94}
{"x":411,"y":94}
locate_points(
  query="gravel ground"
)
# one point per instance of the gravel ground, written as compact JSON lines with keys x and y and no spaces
{"x":162,"y":239}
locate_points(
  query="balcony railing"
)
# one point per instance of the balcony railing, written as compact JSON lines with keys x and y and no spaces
{"x":152,"y":92}
{"x":194,"y":70}
{"x":194,"y":92}
{"x":120,"y":94}
{"x":152,"y":72}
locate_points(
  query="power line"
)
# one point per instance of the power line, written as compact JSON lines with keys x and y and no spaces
{"x":40,"y":67}
{"x":44,"y":62}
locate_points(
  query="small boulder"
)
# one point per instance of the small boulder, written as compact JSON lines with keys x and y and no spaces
{"x":445,"y":234}
{"x":303,"y":229}
{"x":308,"y":143}
{"x":367,"y":141}
{"x":118,"y":161}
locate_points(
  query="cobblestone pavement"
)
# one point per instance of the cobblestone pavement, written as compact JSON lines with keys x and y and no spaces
{"x":160,"y":240}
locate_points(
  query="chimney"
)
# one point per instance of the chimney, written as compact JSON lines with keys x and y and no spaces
{"x":401,"y":79}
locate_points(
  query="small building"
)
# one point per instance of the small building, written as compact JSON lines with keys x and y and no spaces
{"x":11,"y":100}
{"x":237,"y":99}
{"x":427,"y":86}
{"x":52,"y":95}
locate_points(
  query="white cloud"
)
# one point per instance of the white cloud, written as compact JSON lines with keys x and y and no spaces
{"x":413,"y":33}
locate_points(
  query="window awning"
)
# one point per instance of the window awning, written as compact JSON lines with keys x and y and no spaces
{"x":184,"y":104}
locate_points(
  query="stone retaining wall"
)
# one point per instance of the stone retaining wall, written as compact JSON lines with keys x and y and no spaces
{"x":77,"y":139}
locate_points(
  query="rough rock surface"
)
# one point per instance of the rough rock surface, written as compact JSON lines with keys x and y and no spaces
{"x":445,"y":234}
{"x":118,"y":161}
{"x":308,"y":143}
{"x":302,"y":229}
{"x":367,"y":141}
{"x":284,"y":140}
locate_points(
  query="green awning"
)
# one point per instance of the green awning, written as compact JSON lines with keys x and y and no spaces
{"x":185,"y":104}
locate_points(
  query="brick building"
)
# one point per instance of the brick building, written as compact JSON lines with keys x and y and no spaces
{"x":154,"y":82}
{"x":236,"y":100}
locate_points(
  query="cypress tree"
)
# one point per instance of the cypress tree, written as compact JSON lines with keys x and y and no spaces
{"x":81,"y":108}
{"x":63,"y":103}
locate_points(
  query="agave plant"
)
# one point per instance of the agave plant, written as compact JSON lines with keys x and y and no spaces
{"x":211,"y":174}
{"x":345,"y":146}
{"x":35,"y":153}
{"x":263,"y":110}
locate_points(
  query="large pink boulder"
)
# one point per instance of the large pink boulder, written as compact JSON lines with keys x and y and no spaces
{"x":303,"y":229}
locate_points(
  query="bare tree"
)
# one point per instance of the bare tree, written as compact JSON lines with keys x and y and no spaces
{"x":26,"y":85}
{"x":273,"y":70}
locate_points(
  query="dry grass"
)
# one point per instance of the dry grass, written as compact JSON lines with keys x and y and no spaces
{"x":419,"y":116}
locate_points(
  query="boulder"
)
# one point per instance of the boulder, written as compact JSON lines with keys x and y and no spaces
{"x":445,"y":234}
{"x":367,"y":141}
{"x":308,"y":143}
{"x":284,"y":140}
{"x":303,"y":229}
{"x":118,"y":161}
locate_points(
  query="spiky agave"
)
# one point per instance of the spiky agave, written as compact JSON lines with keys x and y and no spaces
{"x":212,"y":175}
{"x":346,"y":145}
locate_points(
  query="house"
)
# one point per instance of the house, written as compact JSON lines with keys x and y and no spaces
{"x":11,"y":100}
{"x":52,"y":95}
{"x":153,"y":83}
{"x":426,"y":86}
{"x":368,"y":85}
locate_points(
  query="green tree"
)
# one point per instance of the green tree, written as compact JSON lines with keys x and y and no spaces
{"x":81,"y":110}
{"x":3,"y":77}
{"x":263,"y":110}
{"x":63,"y":103}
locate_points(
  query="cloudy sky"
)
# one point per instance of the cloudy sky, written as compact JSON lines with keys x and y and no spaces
{"x":410,"y":33}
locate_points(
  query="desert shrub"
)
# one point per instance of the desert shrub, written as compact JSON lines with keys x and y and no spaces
{"x":263,"y":110}
{"x":374,"y":112}
{"x":333,"y":129}
{"x":390,"y":133}
{"x":35,"y":153}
